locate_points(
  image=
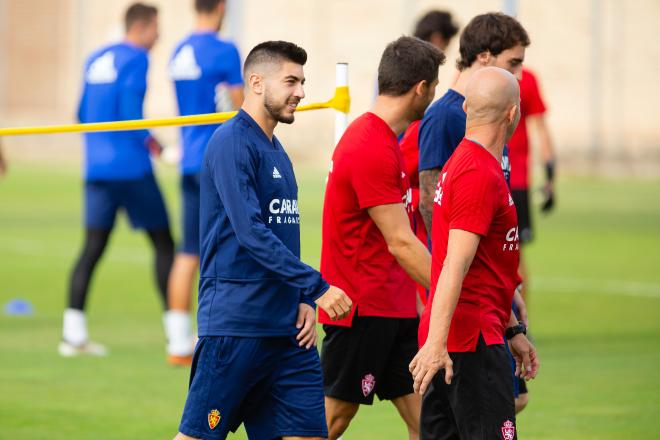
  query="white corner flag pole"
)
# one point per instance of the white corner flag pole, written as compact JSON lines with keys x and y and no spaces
{"x":341,"y":118}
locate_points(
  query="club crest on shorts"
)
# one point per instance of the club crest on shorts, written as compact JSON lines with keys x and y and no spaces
{"x":214,"y":418}
{"x":508,"y":430}
{"x":368,"y":384}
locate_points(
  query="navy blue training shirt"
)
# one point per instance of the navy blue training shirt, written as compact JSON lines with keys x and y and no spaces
{"x":202,"y":64}
{"x":115,"y":81}
{"x":442,"y":129}
{"x":251,"y":277}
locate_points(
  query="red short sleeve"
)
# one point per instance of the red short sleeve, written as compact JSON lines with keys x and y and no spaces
{"x":532,"y":99}
{"x":376,"y":179}
{"x":473,"y":197}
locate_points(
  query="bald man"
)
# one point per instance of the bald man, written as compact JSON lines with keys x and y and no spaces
{"x":256,"y":360}
{"x":473,"y":277}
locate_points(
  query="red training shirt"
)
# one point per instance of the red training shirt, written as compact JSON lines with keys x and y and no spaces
{"x":366,"y":171}
{"x":531,"y":104}
{"x":473,"y":196}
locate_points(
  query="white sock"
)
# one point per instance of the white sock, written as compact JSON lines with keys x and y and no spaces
{"x":74,"y":329}
{"x":178,"y":331}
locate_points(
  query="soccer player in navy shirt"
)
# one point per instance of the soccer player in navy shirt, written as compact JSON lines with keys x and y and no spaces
{"x":118,"y":173}
{"x":492,"y":39}
{"x":205,"y":69}
{"x":256,"y":361}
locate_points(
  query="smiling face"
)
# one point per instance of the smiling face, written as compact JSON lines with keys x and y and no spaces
{"x":283,"y":91}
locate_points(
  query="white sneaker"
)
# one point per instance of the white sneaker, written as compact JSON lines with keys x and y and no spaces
{"x":88,"y":349}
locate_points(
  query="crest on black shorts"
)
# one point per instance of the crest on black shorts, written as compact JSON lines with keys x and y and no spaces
{"x":368,"y":383}
{"x":508,"y":430}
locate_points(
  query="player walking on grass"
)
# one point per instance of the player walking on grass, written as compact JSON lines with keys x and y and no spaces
{"x":369,"y":248}
{"x":202,"y":67}
{"x":256,"y":361}
{"x":462,"y":368}
{"x":118,"y":172}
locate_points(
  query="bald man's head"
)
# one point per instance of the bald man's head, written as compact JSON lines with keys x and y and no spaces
{"x":493,"y":96}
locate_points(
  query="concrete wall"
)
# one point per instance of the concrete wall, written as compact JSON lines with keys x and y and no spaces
{"x":598,"y":71}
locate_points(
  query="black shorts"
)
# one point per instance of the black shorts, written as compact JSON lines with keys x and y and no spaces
{"x":521,"y":200}
{"x":371,"y":357}
{"x":479,"y":402}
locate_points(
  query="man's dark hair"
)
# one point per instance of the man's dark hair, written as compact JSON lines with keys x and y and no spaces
{"x":275,"y":51}
{"x":138,"y":12}
{"x":207,"y":5}
{"x":493,"y":32}
{"x":436,"y":21}
{"x":405,"y":62}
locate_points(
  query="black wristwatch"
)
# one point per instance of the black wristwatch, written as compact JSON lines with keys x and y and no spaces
{"x":515,"y":330}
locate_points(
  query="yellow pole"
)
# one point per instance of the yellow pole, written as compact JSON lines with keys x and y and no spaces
{"x":341,"y":102}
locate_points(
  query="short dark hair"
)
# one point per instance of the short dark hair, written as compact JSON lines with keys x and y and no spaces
{"x":405,"y":62}
{"x":493,"y":32}
{"x":207,"y":5}
{"x":275,"y":51}
{"x":138,"y":12}
{"x":436,"y":21}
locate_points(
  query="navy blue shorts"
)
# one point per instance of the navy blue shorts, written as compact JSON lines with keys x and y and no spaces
{"x":190,"y":214}
{"x":141,"y":199}
{"x":271,"y":385}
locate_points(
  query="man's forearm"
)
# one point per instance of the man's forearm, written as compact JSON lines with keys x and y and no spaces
{"x":415,"y":259}
{"x":445,"y":299}
{"x":428,"y":181}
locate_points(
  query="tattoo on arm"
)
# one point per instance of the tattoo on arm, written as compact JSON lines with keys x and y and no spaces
{"x":428,"y":180}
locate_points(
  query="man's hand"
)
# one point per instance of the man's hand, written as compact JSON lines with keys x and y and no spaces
{"x":335,"y":303}
{"x":155,"y":147}
{"x":524,"y":353}
{"x":3,"y":164}
{"x":520,"y":304}
{"x":306,"y":323}
{"x":548,"y":198}
{"x":430,"y":359}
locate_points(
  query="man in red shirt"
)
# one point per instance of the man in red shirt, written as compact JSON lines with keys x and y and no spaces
{"x":473,"y":277}
{"x":369,"y":249}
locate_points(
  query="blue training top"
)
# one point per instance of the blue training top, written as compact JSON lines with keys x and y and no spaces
{"x":442,"y":129}
{"x":251,"y":277}
{"x":115,"y":82}
{"x":200,"y":63}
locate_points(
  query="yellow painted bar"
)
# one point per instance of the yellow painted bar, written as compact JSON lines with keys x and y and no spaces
{"x":341,"y":102}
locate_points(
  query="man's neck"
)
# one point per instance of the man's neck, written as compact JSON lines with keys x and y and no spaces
{"x":393,"y":110}
{"x":464,"y":77}
{"x":133,"y":40}
{"x":263,"y":119}
{"x":490,"y":136}
{"x":206,"y":23}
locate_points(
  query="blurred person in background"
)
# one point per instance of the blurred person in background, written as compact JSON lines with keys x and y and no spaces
{"x":532,"y":109}
{"x":118,"y":170}
{"x":205,"y":69}
{"x":436,"y":27}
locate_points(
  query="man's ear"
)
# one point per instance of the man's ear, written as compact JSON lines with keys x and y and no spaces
{"x":256,"y":83}
{"x":485,"y":58}
{"x":512,"y":113}
{"x":422,"y":88}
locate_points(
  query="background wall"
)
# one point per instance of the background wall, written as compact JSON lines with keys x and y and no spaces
{"x":596,"y":60}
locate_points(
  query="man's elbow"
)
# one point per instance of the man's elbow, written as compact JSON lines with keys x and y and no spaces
{"x":399,"y":245}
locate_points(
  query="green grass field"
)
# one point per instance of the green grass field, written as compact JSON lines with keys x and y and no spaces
{"x":595,"y":314}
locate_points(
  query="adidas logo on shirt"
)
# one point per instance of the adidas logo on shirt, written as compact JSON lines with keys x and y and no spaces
{"x":102,"y":70}
{"x":276,"y":174}
{"x":184,"y":65}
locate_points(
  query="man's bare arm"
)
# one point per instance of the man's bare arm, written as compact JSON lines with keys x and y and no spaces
{"x":433,"y":356}
{"x":412,"y":255}
{"x":428,"y":180}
